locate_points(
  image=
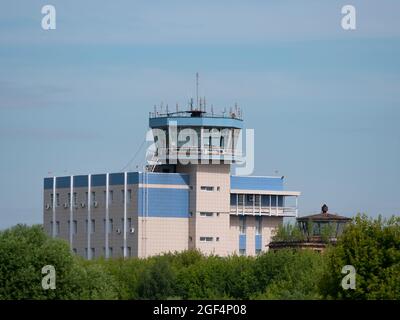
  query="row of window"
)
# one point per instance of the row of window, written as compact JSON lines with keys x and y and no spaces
{"x":242,"y":252}
{"x":92,"y":225}
{"x":93,"y":198}
{"x":243,"y":226}
{"x":208,"y":239}
{"x":209,"y":188}
{"x":110,"y":252}
{"x":250,"y":199}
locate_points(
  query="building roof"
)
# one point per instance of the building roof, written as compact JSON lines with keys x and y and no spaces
{"x":324,"y":216}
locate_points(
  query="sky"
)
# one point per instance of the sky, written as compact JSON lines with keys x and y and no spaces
{"x":323,"y":101}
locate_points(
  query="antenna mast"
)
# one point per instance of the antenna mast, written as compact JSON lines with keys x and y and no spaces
{"x":197,"y":90}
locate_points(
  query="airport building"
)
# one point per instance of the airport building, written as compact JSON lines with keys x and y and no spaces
{"x":185,"y":198}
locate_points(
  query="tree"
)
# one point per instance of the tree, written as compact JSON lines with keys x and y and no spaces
{"x":24,"y":251}
{"x":289,"y":274}
{"x":157,"y":282}
{"x":372,"y":246}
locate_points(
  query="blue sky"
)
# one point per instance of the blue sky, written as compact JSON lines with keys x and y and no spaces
{"x":324,"y":102}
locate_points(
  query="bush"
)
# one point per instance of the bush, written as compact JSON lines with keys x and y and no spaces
{"x":372,"y":246}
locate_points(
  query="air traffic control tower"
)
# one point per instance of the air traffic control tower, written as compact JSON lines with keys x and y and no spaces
{"x":186,"y":198}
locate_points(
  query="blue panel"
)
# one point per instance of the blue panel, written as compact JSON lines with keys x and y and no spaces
{"x":256,"y":183}
{"x":258,"y":241}
{"x":166,"y":178}
{"x":242,"y":242}
{"x":98,"y":180}
{"x":80,"y":181}
{"x":133,"y":177}
{"x":48,"y":183}
{"x":63,"y":182}
{"x":116,"y":178}
{"x":165,"y":202}
{"x":196,"y":122}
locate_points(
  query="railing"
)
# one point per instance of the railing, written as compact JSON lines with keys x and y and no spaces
{"x":270,"y":211}
{"x":188,"y":114}
{"x":197,"y":151}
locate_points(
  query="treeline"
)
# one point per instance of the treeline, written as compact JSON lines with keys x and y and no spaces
{"x":371,"y":246}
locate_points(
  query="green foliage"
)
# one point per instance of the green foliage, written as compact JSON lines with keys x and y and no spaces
{"x":372,"y":246}
{"x":289,"y":274}
{"x":289,"y":232}
{"x":157,"y":281}
{"x":24,"y":251}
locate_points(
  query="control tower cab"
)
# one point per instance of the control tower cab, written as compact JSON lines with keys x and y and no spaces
{"x":195,"y":137}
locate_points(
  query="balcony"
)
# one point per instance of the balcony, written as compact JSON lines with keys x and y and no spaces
{"x":207,"y":152}
{"x":264,"y":211}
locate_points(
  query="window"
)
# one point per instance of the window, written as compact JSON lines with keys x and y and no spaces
{"x":250,"y":198}
{"x":129,"y":195}
{"x":104,"y":197}
{"x":74,"y":250}
{"x":51,"y":198}
{"x":258,"y":224}
{"x":273,"y":201}
{"x":123,"y":195}
{"x":191,"y":214}
{"x":242,"y":252}
{"x":110,"y":196}
{"x":110,"y":225}
{"x":93,"y":252}
{"x":128,"y":252}
{"x":93,"y":226}
{"x":206,"y":214}
{"x":281,"y":202}
{"x":74,"y":227}
{"x":69,"y":197}
{"x":233,"y":199}
{"x":75,"y":198}
{"x":265,"y":200}
{"x":57,"y":228}
{"x":129,"y":223}
{"x":57,"y":199}
{"x":240,"y":199}
{"x":110,"y":251}
{"x":242,"y":224}
{"x":206,"y":239}
{"x":217,"y":239}
{"x":93,"y":197}
{"x":218,"y":188}
{"x":258,"y":251}
{"x":207,"y":188}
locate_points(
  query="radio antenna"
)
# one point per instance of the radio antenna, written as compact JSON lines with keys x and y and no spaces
{"x":197,"y":90}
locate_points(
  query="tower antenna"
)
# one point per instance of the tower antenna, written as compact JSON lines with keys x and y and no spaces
{"x":197,"y":90}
